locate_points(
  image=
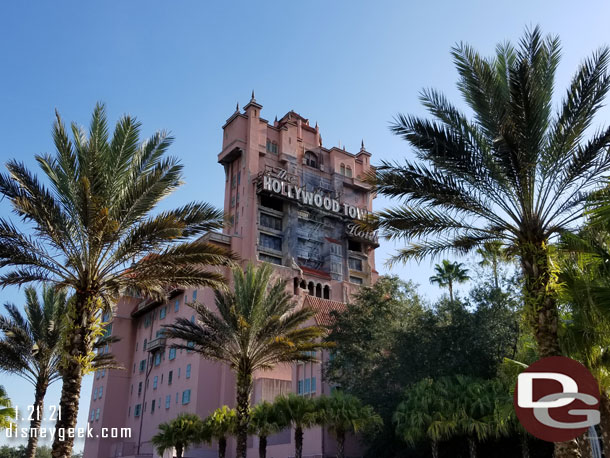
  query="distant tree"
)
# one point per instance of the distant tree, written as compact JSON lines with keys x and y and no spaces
{"x":301,"y":413}
{"x":343,"y":413}
{"x":265,"y":420}
{"x":30,"y":347}
{"x":257,"y":326}
{"x":493,"y":255}
{"x":178,"y":434}
{"x":448,"y":274}
{"x":7,"y":412}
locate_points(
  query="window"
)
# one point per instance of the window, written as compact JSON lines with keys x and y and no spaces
{"x":176,"y":398}
{"x":336,"y":268}
{"x":355,"y":264}
{"x":95,"y":394}
{"x":186,"y":397}
{"x":139,"y":388}
{"x":172,"y":354}
{"x":336,"y":249}
{"x":270,"y":259}
{"x":313,"y":384}
{"x":168,"y":400}
{"x":92,"y":415}
{"x":97,"y":414}
{"x":188,"y":371}
{"x":160,"y":333}
{"x":271,"y":222}
{"x":356,"y":280}
{"x":194,"y":295}
{"x":272,"y":147}
{"x":270,"y":241}
{"x":300,"y":387}
{"x":142,"y":365}
{"x":131,"y":390}
{"x":176,"y":305}
{"x":311,"y":159}
{"x":103,"y":372}
{"x":190,"y":344}
{"x":342,"y":169}
{"x":192,"y":318}
{"x":137,"y":410}
{"x":97,"y":375}
{"x":144,"y":346}
{"x":348,"y":171}
{"x":162,"y":312}
{"x":272,"y":203}
{"x":155,"y":382}
{"x":152,"y":406}
{"x":307,"y":385}
{"x":157,"y":359}
{"x":147,"y":321}
{"x":170,"y":377}
{"x":352,"y":245}
{"x":100,"y":392}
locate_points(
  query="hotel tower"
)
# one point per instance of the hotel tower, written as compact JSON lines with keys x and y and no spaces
{"x":289,"y":201}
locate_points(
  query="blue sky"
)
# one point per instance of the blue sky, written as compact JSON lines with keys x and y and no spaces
{"x":182,"y":66}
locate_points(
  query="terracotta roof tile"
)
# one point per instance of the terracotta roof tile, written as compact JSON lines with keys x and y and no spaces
{"x":323,"y":307}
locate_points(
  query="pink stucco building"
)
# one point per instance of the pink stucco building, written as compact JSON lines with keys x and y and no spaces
{"x":290,"y":202}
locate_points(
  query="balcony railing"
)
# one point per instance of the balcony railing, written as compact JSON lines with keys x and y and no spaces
{"x":156,"y":344}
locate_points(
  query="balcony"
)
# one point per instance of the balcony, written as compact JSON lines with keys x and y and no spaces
{"x":156,"y":344}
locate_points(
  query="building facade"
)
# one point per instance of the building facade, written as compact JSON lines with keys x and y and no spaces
{"x":290,"y":202}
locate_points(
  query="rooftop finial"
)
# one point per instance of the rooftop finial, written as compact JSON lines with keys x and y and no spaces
{"x":362,"y":145}
{"x":237,"y":108}
{"x":253,"y":99}
{"x":275,"y":118}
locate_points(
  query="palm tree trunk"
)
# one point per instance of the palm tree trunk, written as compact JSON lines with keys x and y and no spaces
{"x":77,"y":348}
{"x":340,"y":444}
{"x":541,"y":304}
{"x":244,"y":389}
{"x":584,"y":445}
{"x":604,"y":424}
{"x":222,"y":447}
{"x":434,"y":449}
{"x":472,"y":447}
{"x":262,"y":447}
{"x":298,"y":442}
{"x":540,"y":299}
{"x":41,"y":389}
{"x":525,"y":448}
{"x":451,"y":290}
{"x":179,"y":451}
{"x":567,"y":449}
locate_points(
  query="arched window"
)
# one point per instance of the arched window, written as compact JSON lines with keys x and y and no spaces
{"x":296,"y":286}
{"x":318,"y":290}
{"x":311,"y":159}
{"x":327,"y":292}
{"x":310,"y":288}
{"x":342,"y":169}
{"x":348,"y":171}
{"x":303,"y":284}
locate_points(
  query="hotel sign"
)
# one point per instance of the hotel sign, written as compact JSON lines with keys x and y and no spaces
{"x":321,"y":201}
{"x":314,"y":199}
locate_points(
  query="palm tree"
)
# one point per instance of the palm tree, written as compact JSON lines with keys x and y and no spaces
{"x":493,"y":255}
{"x":425,"y":414}
{"x":264,"y":421}
{"x":343,"y":413}
{"x":300,"y":412}
{"x":7,"y":412}
{"x":585,"y":280}
{"x":30,"y":347}
{"x":516,"y":173}
{"x":257,"y":326}
{"x":178,"y":434}
{"x":474,"y":402}
{"x":220,"y":424}
{"x":449,"y":273}
{"x":92,"y":231}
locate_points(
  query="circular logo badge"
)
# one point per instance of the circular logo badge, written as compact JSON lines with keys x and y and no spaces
{"x":557,"y":399}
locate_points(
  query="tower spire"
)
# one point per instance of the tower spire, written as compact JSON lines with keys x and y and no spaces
{"x":252,"y":99}
{"x":237,"y":108}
